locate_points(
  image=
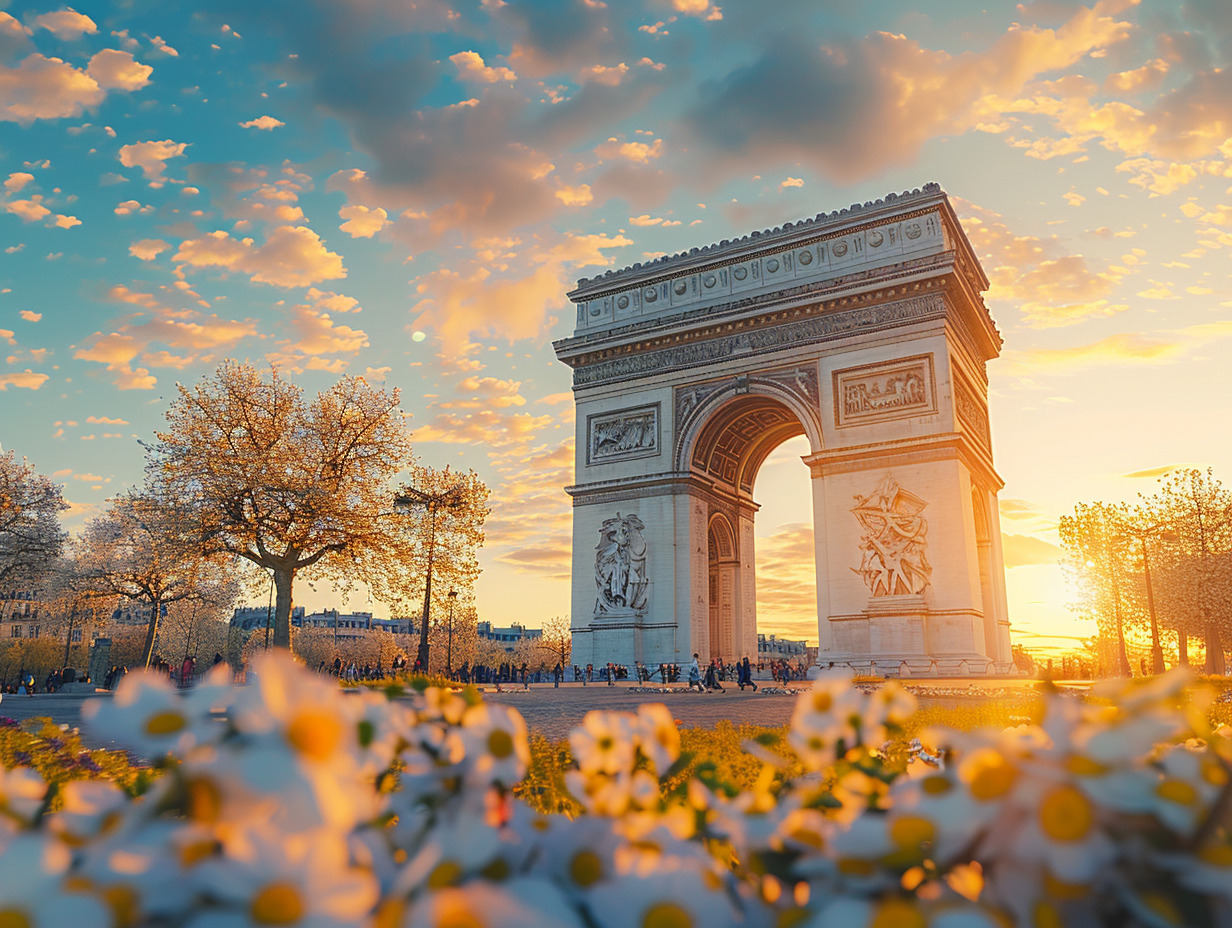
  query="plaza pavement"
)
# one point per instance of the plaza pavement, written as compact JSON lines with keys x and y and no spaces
{"x":553,"y":712}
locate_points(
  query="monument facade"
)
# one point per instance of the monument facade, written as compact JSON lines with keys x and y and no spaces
{"x":863,"y":330}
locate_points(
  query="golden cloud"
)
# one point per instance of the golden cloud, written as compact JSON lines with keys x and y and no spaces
{"x":1027,"y":550}
{"x":292,"y":256}
{"x":362,"y":222}
{"x":117,"y":70}
{"x":27,"y":380}
{"x":151,"y":157}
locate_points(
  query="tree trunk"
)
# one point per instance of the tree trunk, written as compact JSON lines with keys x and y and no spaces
{"x":151,"y":632}
{"x":1182,"y":645}
{"x":1214,"y":650}
{"x":283,"y":577}
{"x":427,"y":606}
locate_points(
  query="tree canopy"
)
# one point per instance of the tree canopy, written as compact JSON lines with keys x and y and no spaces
{"x":30,"y":534}
{"x":287,"y":483}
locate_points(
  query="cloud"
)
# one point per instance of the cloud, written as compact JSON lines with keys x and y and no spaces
{"x":292,"y":256}
{"x":1053,"y":286}
{"x":128,"y":207}
{"x":493,"y":392}
{"x":151,"y":157}
{"x":262,"y":122}
{"x":45,"y":88}
{"x":787,"y":578}
{"x":1026,"y":550}
{"x":471,"y":67}
{"x":65,"y":24}
{"x":639,"y":152}
{"x":147,"y":249}
{"x":791,"y":182}
{"x":1153,"y":471}
{"x":30,"y":316}
{"x":580,"y":195}
{"x":31,"y":210}
{"x":703,"y":8}
{"x":470,"y":298}
{"x":17,"y":180}
{"x":143,"y":336}
{"x":106,"y":420}
{"x":852,"y":109}
{"x":248,"y":194}
{"x":362,"y":222}
{"x":116,"y":70}
{"x":27,"y":380}
{"x":1122,"y":348}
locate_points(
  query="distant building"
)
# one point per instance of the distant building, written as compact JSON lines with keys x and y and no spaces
{"x":23,"y":614}
{"x":774,"y":648}
{"x":251,"y":618}
{"x":402,"y":626}
{"x":507,"y":637}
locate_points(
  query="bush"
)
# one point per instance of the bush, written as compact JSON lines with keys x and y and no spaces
{"x":289,"y":802}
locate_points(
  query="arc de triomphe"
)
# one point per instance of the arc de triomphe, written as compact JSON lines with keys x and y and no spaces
{"x":863,"y":330}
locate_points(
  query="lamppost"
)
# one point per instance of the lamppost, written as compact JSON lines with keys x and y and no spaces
{"x":453,"y":598}
{"x":1157,"y":652}
{"x":433,"y":504}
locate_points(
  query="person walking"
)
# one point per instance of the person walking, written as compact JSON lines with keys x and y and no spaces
{"x":712,"y":677}
{"x":695,"y":674}
{"x":557,"y":673}
{"x":744,"y":675}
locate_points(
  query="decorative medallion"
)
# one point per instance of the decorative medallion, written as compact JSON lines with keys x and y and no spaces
{"x":913,"y":230}
{"x":680,"y":288}
{"x":893,"y":561}
{"x":839,"y":248}
{"x":622,"y":302}
{"x":709,"y":281}
{"x":875,"y":238}
{"x":650,"y":294}
{"x":740,"y":273}
{"x":772,"y":265}
{"x":805,"y":257}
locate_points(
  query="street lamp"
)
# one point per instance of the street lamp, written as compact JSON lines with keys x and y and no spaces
{"x":1157,"y":652}
{"x":453,"y":598}
{"x":433,"y":504}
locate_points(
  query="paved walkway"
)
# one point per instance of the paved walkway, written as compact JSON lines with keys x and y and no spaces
{"x":553,"y":712}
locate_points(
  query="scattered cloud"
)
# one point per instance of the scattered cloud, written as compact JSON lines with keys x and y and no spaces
{"x":362,"y":222}
{"x":152,"y":157}
{"x":30,"y":315}
{"x":27,"y":380}
{"x":292,"y":256}
{"x":116,"y":70}
{"x":1153,"y":471}
{"x":66,"y":24}
{"x":262,"y":122}
{"x":147,"y":249}
{"x":1027,"y":550}
{"x":471,"y":67}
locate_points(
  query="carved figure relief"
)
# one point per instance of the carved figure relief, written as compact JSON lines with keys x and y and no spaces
{"x":972,"y":410}
{"x":884,"y":391}
{"x":620,"y":566}
{"x":628,"y":433}
{"x":893,"y":561}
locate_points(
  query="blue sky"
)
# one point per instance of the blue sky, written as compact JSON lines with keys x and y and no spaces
{"x":407,"y":191}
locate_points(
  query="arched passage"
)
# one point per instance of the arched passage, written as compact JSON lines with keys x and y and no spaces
{"x":730,"y":439}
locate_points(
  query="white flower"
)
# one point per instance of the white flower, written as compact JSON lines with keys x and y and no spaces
{"x":21,"y":795}
{"x":32,"y":887}
{"x":604,"y":743}
{"x":515,"y":904}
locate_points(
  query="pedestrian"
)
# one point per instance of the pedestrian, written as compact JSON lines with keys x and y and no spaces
{"x":695,"y":674}
{"x":712,"y":676}
{"x":557,"y":673}
{"x":744,"y":674}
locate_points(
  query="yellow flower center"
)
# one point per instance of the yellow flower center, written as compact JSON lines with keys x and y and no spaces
{"x":446,"y":873}
{"x":204,"y":801}
{"x":500,"y":743}
{"x":854,"y":866}
{"x":1214,"y":773}
{"x":936,"y":785}
{"x":789,"y":918}
{"x":1084,"y":767}
{"x":586,"y":868}
{"x":390,"y":914}
{"x":164,"y":723}
{"x":822,"y":701}
{"x":1177,"y":791}
{"x":993,"y":778}
{"x":1059,"y":889}
{"x":315,"y":733}
{"x":194,"y":852}
{"x":1046,"y":916}
{"x":455,"y":913}
{"x":1217,"y":855}
{"x":667,"y":915}
{"x":11,"y":918}
{"x":277,"y":904}
{"x":125,"y":906}
{"x":897,"y":913}
{"x":912,"y":832}
{"x":1066,"y":814}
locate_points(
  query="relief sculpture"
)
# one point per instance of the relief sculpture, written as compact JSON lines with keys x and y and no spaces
{"x":620,"y":566}
{"x":884,"y":391}
{"x":631,"y":432}
{"x":893,"y":561}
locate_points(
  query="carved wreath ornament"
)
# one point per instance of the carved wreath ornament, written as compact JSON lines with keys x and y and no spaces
{"x":892,"y":559}
{"x":620,"y":566}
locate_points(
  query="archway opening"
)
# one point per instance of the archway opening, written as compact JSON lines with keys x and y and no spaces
{"x":786,"y":564}
{"x":747,"y":436}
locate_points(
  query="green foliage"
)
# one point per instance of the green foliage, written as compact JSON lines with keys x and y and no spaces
{"x":58,"y":755}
